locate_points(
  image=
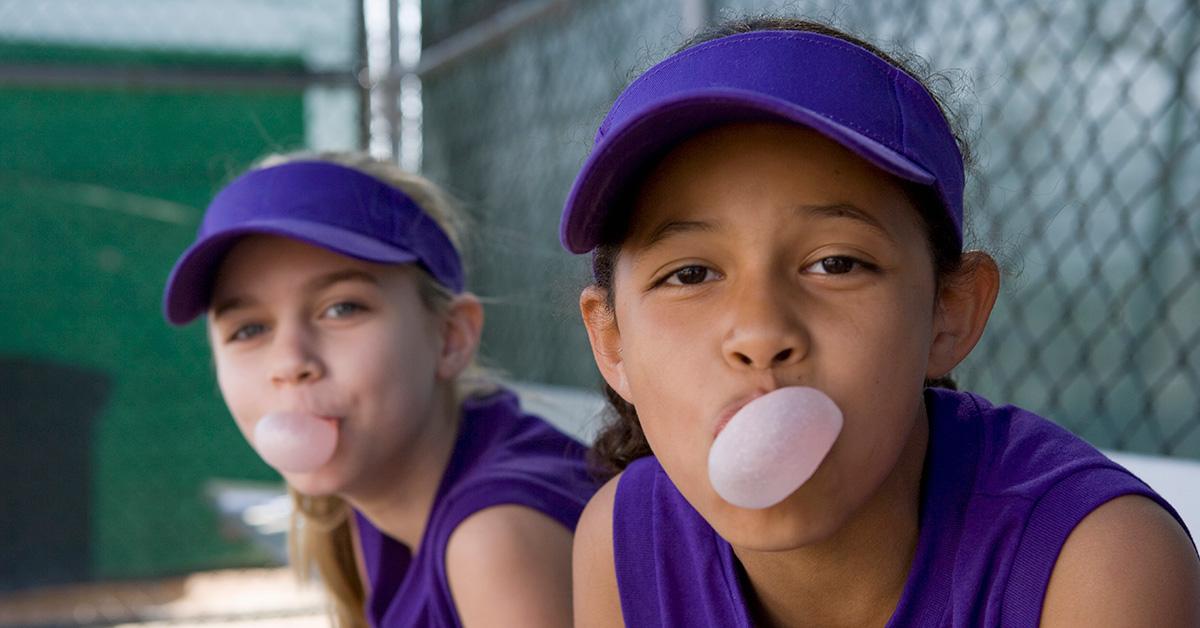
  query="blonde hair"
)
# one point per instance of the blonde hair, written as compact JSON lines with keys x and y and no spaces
{"x":321,"y":536}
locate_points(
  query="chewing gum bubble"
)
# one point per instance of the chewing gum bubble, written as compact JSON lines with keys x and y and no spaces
{"x":295,"y":442}
{"x":772,"y":446}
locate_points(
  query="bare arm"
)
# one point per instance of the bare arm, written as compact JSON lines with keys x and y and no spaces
{"x":1128,"y":563}
{"x":510,"y":566}
{"x":597,"y":603}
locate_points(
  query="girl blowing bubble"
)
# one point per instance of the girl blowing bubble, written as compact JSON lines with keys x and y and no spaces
{"x":775,"y":221}
{"x":343,"y":340}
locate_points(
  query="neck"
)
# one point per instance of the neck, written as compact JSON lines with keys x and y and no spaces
{"x":856,"y":577}
{"x":400,"y":499}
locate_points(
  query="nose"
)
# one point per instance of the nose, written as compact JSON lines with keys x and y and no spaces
{"x":294,"y":359}
{"x":765,"y":332}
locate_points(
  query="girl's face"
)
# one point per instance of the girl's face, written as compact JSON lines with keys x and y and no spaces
{"x":297,"y":327}
{"x":761,"y":256}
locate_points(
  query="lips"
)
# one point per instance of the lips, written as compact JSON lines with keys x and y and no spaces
{"x":314,"y":404}
{"x":324,"y":416}
{"x":732,"y":409}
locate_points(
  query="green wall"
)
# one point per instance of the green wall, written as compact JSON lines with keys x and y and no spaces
{"x":100,"y":190}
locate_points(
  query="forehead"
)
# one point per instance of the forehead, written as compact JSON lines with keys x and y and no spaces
{"x":725,"y":170}
{"x":266,"y":263}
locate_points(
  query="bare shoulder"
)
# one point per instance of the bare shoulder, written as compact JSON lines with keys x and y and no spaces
{"x":510,"y":565}
{"x":596,"y":600}
{"x":1127,"y":563}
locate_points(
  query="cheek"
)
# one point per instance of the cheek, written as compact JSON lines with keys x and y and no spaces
{"x":877,"y":380}
{"x":240,"y":396}
{"x":660,"y":352}
{"x":912,"y":328}
{"x":366,"y":360}
{"x":887,"y":337}
{"x":667,"y":365}
{"x":388,"y":370}
{"x":673,"y":342}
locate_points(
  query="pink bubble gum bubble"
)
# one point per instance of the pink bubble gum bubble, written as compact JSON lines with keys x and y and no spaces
{"x":772,"y":446}
{"x":295,"y":442}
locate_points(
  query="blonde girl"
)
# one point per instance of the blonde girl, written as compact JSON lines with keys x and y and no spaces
{"x":333,"y":288}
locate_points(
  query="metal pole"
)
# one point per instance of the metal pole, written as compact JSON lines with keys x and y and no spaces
{"x":381,"y":35}
{"x":391,"y":86}
{"x":693,"y":15}
{"x":411,"y":140}
{"x":363,"y":74}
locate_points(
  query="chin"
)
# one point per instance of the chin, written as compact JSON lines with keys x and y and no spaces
{"x":319,"y":483}
{"x":788,"y":525}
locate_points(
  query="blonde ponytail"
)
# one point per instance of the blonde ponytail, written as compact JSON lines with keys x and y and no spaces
{"x":321,"y":539}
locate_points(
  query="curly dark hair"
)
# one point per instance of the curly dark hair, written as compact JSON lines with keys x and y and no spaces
{"x":621,"y":440}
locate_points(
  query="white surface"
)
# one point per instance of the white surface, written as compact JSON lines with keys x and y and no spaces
{"x":322,"y":32}
{"x":1176,"y":479}
{"x":258,"y":511}
{"x":576,"y":411}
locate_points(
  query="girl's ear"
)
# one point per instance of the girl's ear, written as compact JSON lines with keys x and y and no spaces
{"x":461,"y":330}
{"x":964,"y":304}
{"x":605,"y":336}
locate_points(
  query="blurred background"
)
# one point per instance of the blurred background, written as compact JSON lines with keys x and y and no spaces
{"x":119,"y":465}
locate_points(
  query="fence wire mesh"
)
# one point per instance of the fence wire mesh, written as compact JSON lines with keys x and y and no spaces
{"x":1086,"y":128}
{"x":122,"y":117}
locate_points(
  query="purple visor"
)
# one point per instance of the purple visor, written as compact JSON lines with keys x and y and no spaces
{"x":324,"y":204}
{"x":832,"y":86}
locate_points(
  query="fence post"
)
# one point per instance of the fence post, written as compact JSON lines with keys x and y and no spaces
{"x":693,"y":15}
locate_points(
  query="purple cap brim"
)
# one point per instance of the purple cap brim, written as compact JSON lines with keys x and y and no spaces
{"x":189,"y":287}
{"x":324,"y":204}
{"x":832,"y":86}
{"x":632,"y":149}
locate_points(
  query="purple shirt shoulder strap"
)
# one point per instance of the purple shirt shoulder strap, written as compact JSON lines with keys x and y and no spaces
{"x":501,"y":456}
{"x":672,"y":568}
{"x":1002,"y":490}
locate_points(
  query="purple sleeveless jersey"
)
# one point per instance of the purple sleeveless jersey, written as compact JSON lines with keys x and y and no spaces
{"x":1002,"y":489}
{"x":502,"y":456}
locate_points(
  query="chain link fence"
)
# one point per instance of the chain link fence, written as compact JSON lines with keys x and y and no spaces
{"x":1086,"y":128}
{"x":122,"y":117}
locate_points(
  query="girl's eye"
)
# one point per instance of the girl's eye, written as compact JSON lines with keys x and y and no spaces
{"x":342,"y":309}
{"x":246,"y":332}
{"x":835,"y":265}
{"x":690,"y":276}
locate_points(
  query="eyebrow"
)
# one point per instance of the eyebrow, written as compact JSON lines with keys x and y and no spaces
{"x":230,"y":304}
{"x":350,"y":274}
{"x":848,"y":211}
{"x":313,"y":285}
{"x":834,"y":210}
{"x":675,"y":227}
